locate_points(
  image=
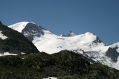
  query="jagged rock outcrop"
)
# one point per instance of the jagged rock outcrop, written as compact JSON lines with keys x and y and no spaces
{"x":112,"y":53}
{"x":70,"y":34}
{"x":32,"y":30}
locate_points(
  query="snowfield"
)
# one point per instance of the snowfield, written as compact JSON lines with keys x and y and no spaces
{"x":6,"y":53}
{"x":52,"y":43}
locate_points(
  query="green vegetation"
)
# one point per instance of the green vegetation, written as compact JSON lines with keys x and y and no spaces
{"x":64,"y":65}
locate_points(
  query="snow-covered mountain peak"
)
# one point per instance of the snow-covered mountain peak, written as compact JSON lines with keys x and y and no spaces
{"x":88,"y":37}
{"x":19,"y":26}
{"x":43,"y":39}
{"x":30,"y":29}
{"x":88,"y":33}
{"x":70,"y":34}
{"x":92,"y":37}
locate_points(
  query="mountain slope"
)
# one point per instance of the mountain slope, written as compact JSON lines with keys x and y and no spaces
{"x":63,"y":65}
{"x":14,"y":42}
{"x":44,"y":40}
{"x":89,"y":43}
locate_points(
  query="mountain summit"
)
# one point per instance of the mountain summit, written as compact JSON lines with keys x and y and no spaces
{"x":71,"y":34}
{"x":29,"y":29}
{"x":86,"y":44}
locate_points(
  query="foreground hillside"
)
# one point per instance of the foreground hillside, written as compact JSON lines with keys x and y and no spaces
{"x":63,"y":65}
{"x":14,"y":42}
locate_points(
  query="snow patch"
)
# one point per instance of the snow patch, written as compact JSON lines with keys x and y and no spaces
{"x":6,"y":53}
{"x":2,"y":36}
{"x":116,"y":65}
{"x":23,"y":53}
{"x":51,"y":78}
{"x":71,"y":34}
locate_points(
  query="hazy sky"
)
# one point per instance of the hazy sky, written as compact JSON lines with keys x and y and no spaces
{"x":101,"y":17}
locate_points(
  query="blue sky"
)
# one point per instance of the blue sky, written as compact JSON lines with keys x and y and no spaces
{"x":101,"y":17}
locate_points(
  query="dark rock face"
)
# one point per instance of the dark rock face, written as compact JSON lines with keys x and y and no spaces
{"x":63,"y":35}
{"x":15,"y":42}
{"x":97,"y":40}
{"x":0,"y":23}
{"x":32,"y":30}
{"x":112,"y":53}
